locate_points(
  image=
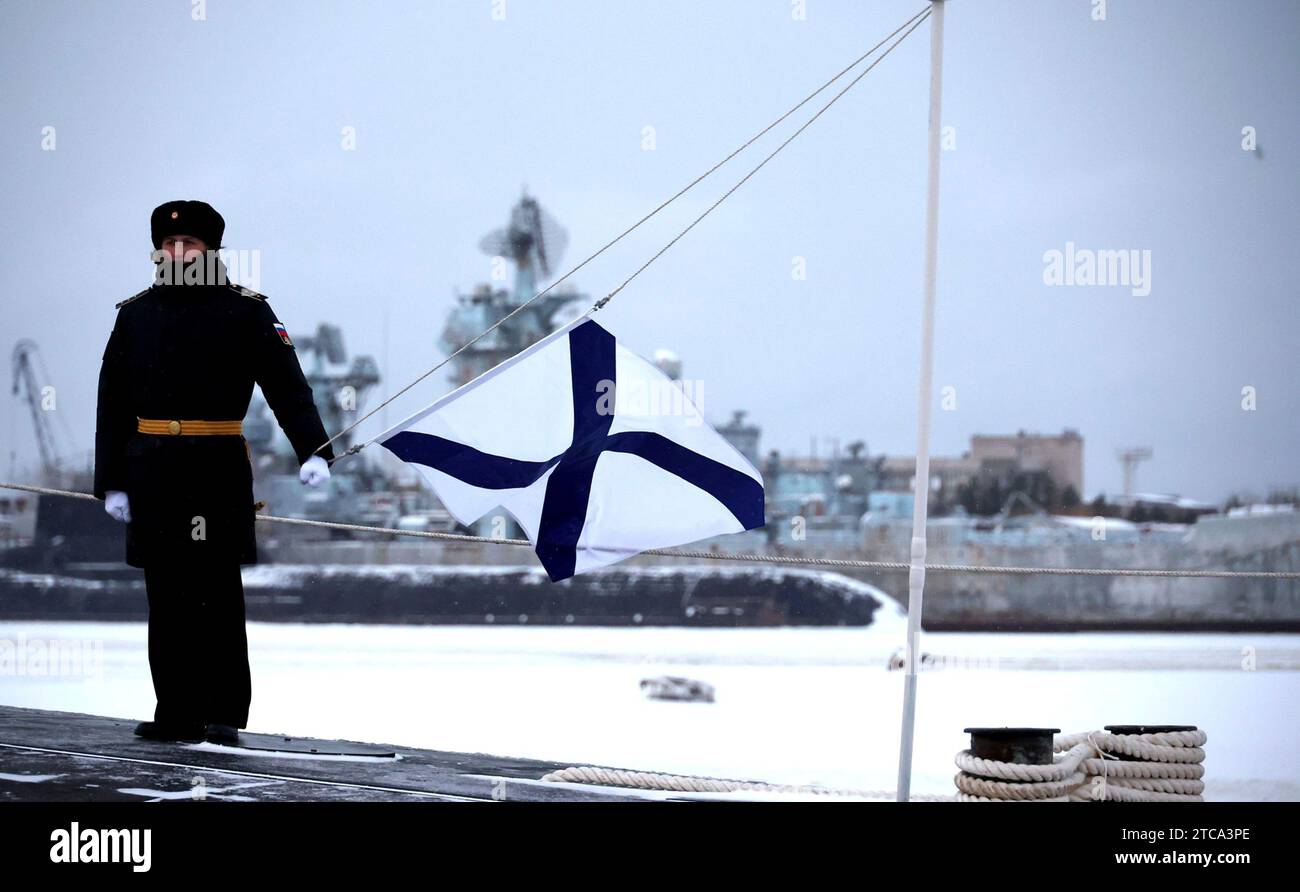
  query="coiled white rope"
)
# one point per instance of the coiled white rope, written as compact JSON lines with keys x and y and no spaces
{"x":684,"y":783}
{"x":1087,"y":768}
{"x":1161,"y":767}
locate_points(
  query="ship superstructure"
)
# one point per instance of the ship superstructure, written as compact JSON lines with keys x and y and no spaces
{"x":531,"y":242}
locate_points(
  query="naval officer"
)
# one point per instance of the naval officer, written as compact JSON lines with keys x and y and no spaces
{"x":172,"y":465}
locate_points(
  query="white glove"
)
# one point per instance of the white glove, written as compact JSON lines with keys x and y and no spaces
{"x":117,"y":505}
{"x":314,"y":471}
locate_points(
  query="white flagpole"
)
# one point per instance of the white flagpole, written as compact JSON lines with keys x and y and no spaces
{"x":921,"y":490}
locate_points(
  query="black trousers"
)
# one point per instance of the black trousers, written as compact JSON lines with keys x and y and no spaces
{"x":198,"y":647}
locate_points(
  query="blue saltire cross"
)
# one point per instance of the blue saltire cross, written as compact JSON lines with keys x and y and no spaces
{"x":564,"y":509}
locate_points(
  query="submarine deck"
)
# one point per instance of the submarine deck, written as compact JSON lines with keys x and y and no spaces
{"x":49,"y":756}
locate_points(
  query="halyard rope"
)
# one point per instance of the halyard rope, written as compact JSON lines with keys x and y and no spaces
{"x":1163,"y":767}
{"x":745,"y":558}
{"x":604,"y":300}
{"x":913,"y":22}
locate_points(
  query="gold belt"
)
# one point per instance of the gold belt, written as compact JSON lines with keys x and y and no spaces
{"x":189,"y":428}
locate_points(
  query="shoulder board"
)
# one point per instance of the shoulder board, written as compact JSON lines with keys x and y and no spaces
{"x":122,"y":303}
{"x":247,"y":292}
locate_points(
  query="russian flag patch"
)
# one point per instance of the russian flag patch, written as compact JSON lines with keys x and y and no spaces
{"x":283,"y":333}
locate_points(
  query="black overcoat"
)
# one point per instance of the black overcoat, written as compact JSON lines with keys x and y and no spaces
{"x":194,"y":352}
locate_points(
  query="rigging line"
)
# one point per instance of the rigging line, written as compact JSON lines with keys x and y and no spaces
{"x":917,"y":18}
{"x":784,"y":559}
{"x":606,"y":299}
{"x":843,"y":563}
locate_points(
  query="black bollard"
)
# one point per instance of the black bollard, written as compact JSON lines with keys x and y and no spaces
{"x":1024,"y":746}
{"x":1148,"y":729}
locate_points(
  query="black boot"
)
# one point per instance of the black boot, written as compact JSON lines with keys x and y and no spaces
{"x":225,"y":734}
{"x":187,"y":733}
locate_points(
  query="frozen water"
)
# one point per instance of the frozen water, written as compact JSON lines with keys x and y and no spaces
{"x":796,"y":706}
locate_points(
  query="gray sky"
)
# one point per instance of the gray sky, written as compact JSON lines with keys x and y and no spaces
{"x":1120,"y":134}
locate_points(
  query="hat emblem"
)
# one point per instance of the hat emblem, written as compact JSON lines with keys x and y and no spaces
{"x":175,"y":214}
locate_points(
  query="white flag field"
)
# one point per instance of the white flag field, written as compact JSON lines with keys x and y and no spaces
{"x":594,"y":451}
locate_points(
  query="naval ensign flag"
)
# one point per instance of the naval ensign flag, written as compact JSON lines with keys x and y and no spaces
{"x":576,"y":438}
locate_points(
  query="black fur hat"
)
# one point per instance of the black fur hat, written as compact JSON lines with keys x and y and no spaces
{"x":195,"y":218}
